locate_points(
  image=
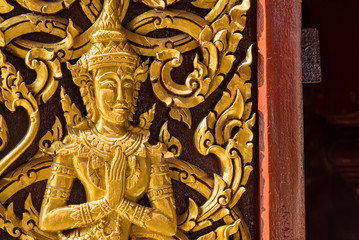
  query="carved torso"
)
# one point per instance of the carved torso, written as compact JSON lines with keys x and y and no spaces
{"x":94,"y":151}
{"x":89,"y":152}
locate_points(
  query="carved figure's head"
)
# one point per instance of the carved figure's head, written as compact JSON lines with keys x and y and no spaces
{"x":109,"y":74}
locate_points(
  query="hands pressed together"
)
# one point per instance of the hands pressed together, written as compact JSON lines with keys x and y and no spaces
{"x":115,"y":179}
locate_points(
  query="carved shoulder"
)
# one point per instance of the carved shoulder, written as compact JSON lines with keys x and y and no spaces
{"x":158,"y":152}
{"x":63,"y":151}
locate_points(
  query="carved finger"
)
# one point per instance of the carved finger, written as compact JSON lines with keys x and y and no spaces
{"x":115,"y":162}
{"x":118,"y":151}
{"x":107,"y":171}
{"x":111,"y":173}
{"x":120,"y":167}
{"x":117,"y":165}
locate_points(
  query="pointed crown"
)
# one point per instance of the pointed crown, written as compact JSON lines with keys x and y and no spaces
{"x":109,"y":42}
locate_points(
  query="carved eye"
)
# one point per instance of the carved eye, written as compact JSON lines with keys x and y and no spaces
{"x":127,"y":84}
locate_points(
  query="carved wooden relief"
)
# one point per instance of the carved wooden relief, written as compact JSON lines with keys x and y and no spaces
{"x":126,"y":120}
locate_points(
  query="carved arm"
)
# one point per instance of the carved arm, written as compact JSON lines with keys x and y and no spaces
{"x":161,"y":217}
{"x":55,"y":214}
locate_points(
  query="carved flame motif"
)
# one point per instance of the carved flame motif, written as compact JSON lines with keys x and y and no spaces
{"x":225,"y":132}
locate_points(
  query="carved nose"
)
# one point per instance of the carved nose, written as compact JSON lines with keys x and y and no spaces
{"x":120,"y":96}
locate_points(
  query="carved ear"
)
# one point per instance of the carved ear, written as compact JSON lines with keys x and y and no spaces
{"x":141,"y":72}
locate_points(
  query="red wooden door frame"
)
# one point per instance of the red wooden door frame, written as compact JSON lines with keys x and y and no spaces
{"x":282,"y":212}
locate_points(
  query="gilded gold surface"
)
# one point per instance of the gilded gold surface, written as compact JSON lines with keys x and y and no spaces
{"x":112,"y":158}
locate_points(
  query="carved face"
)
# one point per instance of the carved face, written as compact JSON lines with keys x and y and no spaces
{"x":114,"y":94}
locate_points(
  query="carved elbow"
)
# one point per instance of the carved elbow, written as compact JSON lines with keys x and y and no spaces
{"x":173,"y":229}
{"x":43,"y":224}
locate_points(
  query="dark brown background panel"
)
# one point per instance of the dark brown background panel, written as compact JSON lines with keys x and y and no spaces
{"x":249,"y":203}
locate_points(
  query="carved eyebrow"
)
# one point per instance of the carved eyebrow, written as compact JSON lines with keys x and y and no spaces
{"x":108,"y":76}
{"x":128,"y":77}
{"x":106,"y":80}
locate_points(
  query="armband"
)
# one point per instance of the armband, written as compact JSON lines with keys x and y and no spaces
{"x":161,"y":192}
{"x":56,"y":192}
{"x":60,"y":169}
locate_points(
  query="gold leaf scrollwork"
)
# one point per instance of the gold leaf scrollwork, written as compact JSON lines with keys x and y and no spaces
{"x":230,"y":123}
{"x":223,"y":232}
{"x":17,"y":26}
{"x":146,"y":118}
{"x":48,"y":71}
{"x":172,"y":143}
{"x":91,"y":8}
{"x":45,"y":6}
{"x":218,"y":42}
{"x":226,"y":132}
{"x":186,"y":96}
{"x":13,"y":223}
{"x":71,"y":113}
{"x":181,"y":114}
{"x":54,"y":135}
{"x":27,"y":226}
{"x":30,"y":216}
{"x":4,"y":133}
{"x":205,"y":4}
{"x":14,"y":93}
{"x":5,"y":7}
{"x":47,"y":66}
{"x":160,"y":4}
{"x":187,"y":221}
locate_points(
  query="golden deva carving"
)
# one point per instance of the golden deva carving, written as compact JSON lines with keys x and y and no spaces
{"x":112,"y":157}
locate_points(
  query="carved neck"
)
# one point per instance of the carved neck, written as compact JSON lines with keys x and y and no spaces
{"x":110,"y":129}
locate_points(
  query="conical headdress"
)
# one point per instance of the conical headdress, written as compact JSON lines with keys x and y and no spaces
{"x":109,"y":47}
{"x":109,"y":43}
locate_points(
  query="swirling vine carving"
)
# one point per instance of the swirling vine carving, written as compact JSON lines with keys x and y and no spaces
{"x":225,"y":132}
{"x":14,"y":93}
